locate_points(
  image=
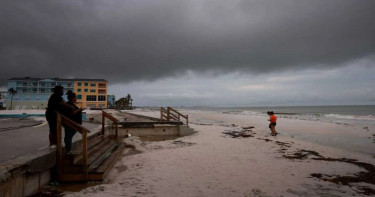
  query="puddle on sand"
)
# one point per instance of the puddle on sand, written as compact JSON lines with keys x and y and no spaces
{"x":157,"y":138}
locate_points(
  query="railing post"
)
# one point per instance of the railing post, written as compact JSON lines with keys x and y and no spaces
{"x":116,"y":131}
{"x":103,"y":122}
{"x":168,"y":113}
{"x":161,"y":114}
{"x":59,"y":147}
{"x":187,"y":119}
{"x":84,"y":154}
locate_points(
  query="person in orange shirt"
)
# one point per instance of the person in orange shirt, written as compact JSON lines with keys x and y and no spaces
{"x":272,"y":124}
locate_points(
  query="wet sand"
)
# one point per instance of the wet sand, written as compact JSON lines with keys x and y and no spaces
{"x":297,"y":162}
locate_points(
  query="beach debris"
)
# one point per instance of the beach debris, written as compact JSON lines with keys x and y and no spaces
{"x":303,"y":154}
{"x":267,"y":140}
{"x":283,"y":145}
{"x":228,"y":125}
{"x":367,"y":176}
{"x":180,"y":142}
{"x":366,"y":128}
{"x":204,"y":124}
{"x":245,"y":132}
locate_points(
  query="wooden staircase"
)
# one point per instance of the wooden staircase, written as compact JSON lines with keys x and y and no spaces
{"x":94,"y":158}
{"x":171,"y":114}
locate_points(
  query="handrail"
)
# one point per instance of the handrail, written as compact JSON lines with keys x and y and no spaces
{"x":172,"y":114}
{"x":163,"y":111}
{"x":113,"y":119}
{"x":61,"y":119}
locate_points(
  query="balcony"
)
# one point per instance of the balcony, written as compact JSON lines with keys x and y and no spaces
{"x":101,"y":85}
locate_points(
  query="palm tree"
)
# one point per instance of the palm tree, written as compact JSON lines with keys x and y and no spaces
{"x":12,"y":92}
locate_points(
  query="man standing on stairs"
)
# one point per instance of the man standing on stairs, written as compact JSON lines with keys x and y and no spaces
{"x":55,"y":104}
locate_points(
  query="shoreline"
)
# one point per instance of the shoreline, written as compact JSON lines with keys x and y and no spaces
{"x":209,"y":163}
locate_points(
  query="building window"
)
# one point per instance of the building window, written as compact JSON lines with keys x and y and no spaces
{"x":93,"y":84}
{"x":79,"y":83}
{"x":92,"y":90}
{"x":79,"y":90}
{"x":101,"y":106}
{"x":79,"y":96}
{"x":101,"y":98}
{"x":86,"y":90}
{"x":86,"y":84}
{"x":90,"y":98}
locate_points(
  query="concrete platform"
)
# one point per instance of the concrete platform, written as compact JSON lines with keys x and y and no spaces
{"x":20,"y":137}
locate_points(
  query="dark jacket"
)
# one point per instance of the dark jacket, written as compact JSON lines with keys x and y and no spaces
{"x":54,"y":104}
{"x":75,"y":117}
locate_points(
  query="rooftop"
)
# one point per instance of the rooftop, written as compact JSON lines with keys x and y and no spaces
{"x":54,"y":79}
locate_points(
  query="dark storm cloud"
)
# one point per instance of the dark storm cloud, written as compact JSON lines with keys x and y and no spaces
{"x":125,"y":40}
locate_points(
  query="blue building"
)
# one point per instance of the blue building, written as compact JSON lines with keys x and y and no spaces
{"x":111,"y":101}
{"x":33,"y":93}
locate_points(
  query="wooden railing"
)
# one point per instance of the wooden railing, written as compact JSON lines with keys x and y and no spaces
{"x":113,"y":119}
{"x":62,"y":120}
{"x":171,"y":114}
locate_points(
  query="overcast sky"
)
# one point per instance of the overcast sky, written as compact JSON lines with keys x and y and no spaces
{"x":198,"y":52}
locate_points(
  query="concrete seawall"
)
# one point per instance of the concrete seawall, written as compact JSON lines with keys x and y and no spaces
{"x":27,"y":174}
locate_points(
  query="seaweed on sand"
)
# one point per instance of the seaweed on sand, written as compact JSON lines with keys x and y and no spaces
{"x":367,"y":176}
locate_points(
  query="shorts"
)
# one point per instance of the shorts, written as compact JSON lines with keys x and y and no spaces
{"x":272,"y":124}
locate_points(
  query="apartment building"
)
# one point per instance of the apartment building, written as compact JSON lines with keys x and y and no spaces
{"x":33,"y":93}
{"x":91,"y":93}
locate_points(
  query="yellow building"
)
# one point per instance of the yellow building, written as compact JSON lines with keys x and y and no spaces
{"x":91,"y":93}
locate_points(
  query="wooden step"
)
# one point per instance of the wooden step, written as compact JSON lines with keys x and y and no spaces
{"x":95,"y":152}
{"x":103,"y":154}
{"x":101,"y":171}
{"x":76,"y":154}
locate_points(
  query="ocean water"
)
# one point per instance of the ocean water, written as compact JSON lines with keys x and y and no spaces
{"x":362,"y":117}
{"x":348,"y":114}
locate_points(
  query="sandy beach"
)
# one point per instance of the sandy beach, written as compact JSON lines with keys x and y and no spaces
{"x":307,"y":158}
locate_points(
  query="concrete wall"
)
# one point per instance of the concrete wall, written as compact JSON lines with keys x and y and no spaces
{"x":26,"y":175}
{"x":152,"y":131}
{"x":164,"y":130}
